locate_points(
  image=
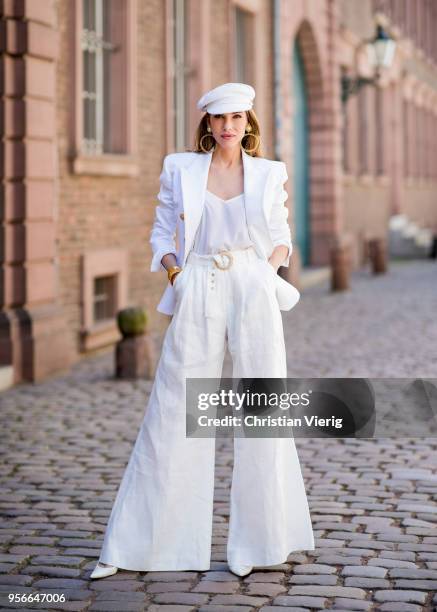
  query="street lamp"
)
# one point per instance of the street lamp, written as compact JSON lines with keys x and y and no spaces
{"x":380,"y":52}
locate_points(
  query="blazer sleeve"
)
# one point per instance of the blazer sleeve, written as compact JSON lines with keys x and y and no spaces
{"x":278,"y":222}
{"x":162,"y":236}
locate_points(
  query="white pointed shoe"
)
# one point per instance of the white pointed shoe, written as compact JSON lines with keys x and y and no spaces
{"x":241,"y":570}
{"x":100,"y":571}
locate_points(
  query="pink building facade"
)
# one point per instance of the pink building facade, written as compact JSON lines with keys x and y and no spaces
{"x":96,"y":92}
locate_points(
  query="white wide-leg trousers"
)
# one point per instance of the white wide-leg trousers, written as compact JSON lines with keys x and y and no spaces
{"x":162,"y":515}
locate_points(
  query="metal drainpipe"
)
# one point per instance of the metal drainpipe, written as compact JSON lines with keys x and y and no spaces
{"x":277,"y":107}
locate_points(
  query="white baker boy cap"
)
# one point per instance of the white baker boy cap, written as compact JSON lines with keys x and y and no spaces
{"x":227,"y":98}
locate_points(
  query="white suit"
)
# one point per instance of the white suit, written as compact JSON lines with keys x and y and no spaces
{"x":184,"y":180}
{"x":162,"y":516}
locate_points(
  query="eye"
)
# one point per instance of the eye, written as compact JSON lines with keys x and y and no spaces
{"x":237,"y":115}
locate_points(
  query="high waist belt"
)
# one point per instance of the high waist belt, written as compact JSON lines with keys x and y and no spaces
{"x":223,"y":260}
{"x":217,"y":263}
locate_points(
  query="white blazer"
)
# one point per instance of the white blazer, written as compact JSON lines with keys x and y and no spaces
{"x":184,"y":179}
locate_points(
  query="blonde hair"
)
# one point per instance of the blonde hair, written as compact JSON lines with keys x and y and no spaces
{"x":248,"y":140}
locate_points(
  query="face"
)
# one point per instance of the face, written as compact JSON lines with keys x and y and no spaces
{"x":228,"y":129}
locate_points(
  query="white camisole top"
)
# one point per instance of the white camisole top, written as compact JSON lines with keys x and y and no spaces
{"x":222,"y":226}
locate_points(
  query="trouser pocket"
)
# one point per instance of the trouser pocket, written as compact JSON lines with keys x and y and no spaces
{"x":180,"y":282}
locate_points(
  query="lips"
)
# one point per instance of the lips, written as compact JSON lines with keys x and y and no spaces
{"x":227,"y":136}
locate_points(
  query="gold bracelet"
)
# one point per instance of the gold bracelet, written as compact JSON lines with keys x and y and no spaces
{"x":176,"y":272}
{"x":172,"y":271}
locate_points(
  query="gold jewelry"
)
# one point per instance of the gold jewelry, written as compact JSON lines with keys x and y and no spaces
{"x":221,"y":265}
{"x":172,"y":271}
{"x":257,"y":139}
{"x":249,"y":128}
{"x":201,"y":145}
{"x":208,"y":129}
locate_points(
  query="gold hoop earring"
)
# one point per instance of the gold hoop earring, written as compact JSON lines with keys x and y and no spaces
{"x":257,"y":139}
{"x":201,"y":140}
{"x":249,"y":128}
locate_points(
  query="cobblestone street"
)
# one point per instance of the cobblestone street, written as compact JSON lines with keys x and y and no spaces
{"x":66,"y":443}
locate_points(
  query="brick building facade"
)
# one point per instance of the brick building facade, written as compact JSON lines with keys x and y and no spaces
{"x":95,"y":93}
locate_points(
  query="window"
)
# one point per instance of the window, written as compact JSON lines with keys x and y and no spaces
{"x":419,"y":128}
{"x":104,"y":298}
{"x":363,"y":131}
{"x":105,"y":96}
{"x":407,"y":130}
{"x":345,"y":140}
{"x":379,"y":135}
{"x":180,"y":85}
{"x":427,"y":143}
{"x":96,"y":50}
{"x":243,"y":46}
{"x":103,"y":294}
{"x":416,"y":132}
{"x":345,"y":131}
{"x":240,"y":45}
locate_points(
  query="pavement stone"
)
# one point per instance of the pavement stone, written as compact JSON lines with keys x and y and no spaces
{"x":372,"y":501}
{"x":399,"y":607}
{"x":265,"y":576}
{"x":426,"y":585}
{"x":391,"y":563}
{"x":365,"y":571}
{"x":400,"y":595}
{"x":366,"y":583}
{"x":268,"y":589}
{"x":322,"y":579}
{"x":307,"y":601}
{"x":282,"y":609}
{"x":181,"y":598}
{"x":169,"y":576}
{"x":116,"y":606}
{"x":225,"y":608}
{"x":120,"y":596}
{"x":60,"y":571}
{"x":343,"y":603}
{"x":167,"y":587}
{"x":119,"y":585}
{"x":208,"y":586}
{"x":328,"y":591}
{"x":169,"y":608}
{"x":314,"y":568}
{"x":413,"y":573}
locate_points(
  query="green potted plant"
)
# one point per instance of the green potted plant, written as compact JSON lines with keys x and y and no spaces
{"x":134,"y":352}
{"x":132,"y":321}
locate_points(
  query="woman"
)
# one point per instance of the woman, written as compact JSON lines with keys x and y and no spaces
{"x":227,"y":204}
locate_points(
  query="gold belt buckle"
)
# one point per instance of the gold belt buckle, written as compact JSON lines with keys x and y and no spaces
{"x":230,"y":260}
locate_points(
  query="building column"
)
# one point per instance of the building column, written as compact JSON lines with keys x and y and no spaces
{"x":326,"y":126}
{"x":33,"y":332}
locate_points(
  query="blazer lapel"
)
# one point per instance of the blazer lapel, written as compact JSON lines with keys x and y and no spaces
{"x":255,"y":186}
{"x":194,"y":179}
